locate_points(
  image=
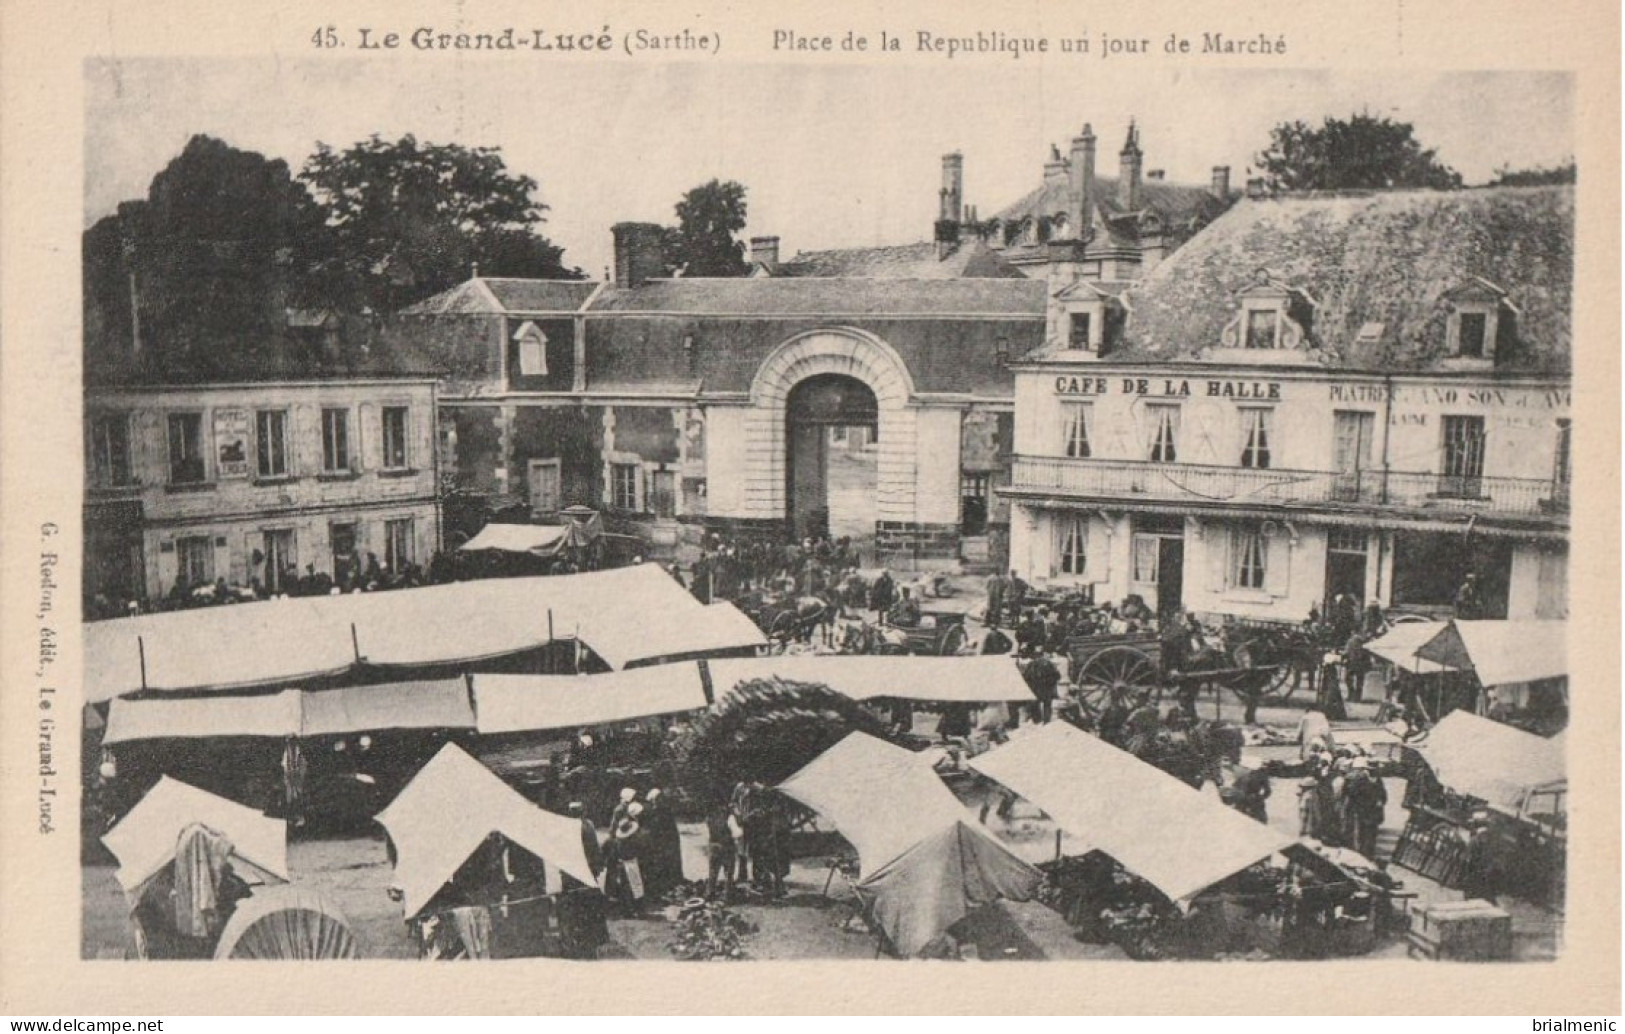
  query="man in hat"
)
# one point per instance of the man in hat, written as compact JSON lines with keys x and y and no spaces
{"x":629,"y":797}
{"x":995,"y":598}
{"x":663,"y":846}
{"x":1478,"y":864}
{"x":1364,"y":801}
{"x":882,"y":594}
{"x":721,"y":850}
{"x":1310,"y":815}
{"x":1042,"y":677}
{"x":1469,"y":605}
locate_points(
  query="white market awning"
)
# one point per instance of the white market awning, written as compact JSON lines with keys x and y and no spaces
{"x":1486,"y":759}
{"x":926,"y":679}
{"x":437,"y":704}
{"x":1502,"y":652}
{"x":1399,"y":644}
{"x":531,"y":703}
{"x":145,"y":839}
{"x":541,"y":539}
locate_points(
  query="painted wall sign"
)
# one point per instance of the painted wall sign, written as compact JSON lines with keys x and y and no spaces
{"x":1163,"y":387}
{"x":231,"y":442}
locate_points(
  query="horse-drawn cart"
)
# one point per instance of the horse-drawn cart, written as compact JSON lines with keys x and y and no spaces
{"x":940,"y":633}
{"x":1125,"y":670}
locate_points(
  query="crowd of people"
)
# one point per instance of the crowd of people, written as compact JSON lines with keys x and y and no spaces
{"x":1341,"y":799}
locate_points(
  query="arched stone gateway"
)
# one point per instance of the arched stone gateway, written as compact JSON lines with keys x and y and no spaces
{"x":848,"y":353}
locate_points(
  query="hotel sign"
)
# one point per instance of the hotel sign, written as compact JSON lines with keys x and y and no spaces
{"x":1162,"y":387}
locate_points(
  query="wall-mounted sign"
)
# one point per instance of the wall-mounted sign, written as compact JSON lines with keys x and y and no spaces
{"x":231,"y":442}
{"x":1163,"y":387}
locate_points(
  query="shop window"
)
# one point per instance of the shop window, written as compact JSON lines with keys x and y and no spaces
{"x":1071,"y":545}
{"x":624,"y":482}
{"x":398,"y":540}
{"x":110,"y":449}
{"x":1248,"y":558}
{"x":1255,"y":429}
{"x":271,"y":442}
{"x":1079,"y":417}
{"x":397,"y":433}
{"x":336,"y":441}
{"x":1164,"y":430}
{"x":186,"y":448}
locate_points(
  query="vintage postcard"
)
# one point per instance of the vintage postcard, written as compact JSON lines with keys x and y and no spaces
{"x":806,"y":503}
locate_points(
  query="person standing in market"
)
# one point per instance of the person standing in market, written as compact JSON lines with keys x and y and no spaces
{"x":882,"y":594}
{"x":995,"y":598}
{"x":663,"y":849}
{"x":1042,"y":678}
{"x":1356,"y":666}
{"x":1469,"y":604}
{"x":1478,"y":864}
{"x":590,"y":847}
{"x":720,"y":851}
{"x":1015,"y":594}
{"x":1310,"y":816}
{"x":1364,"y":801}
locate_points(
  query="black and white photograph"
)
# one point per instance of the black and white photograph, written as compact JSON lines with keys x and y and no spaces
{"x":700,"y":511}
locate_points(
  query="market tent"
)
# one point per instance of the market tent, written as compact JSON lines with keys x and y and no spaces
{"x":1485,"y":759}
{"x":534,"y":539}
{"x":1399,"y":644}
{"x":437,"y":704}
{"x":1153,"y":825}
{"x":625,"y":615}
{"x":144,"y":840}
{"x":528,"y":703}
{"x":287,"y":922}
{"x":936,"y":679}
{"x":923,"y":863}
{"x":447,"y":811}
{"x":1502,"y":652}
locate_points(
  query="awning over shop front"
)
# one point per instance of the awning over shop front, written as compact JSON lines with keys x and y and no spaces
{"x":1491,"y":761}
{"x":447,"y":811}
{"x":1399,"y":644}
{"x":529,"y":703}
{"x":535,"y":539}
{"x":1150,"y":823}
{"x":626,"y":615}
{"x":1502,"y":652}
{"x":437,"y":704}
{"x":929,"y":679}
{"x":145,"y":840}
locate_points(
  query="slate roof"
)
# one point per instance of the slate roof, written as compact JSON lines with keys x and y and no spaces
{"x":828,"y":296}
{"x":491,"y":294}
{"x":1183,"y":208}
{"x":902,"y":261}
{"x":1380,"y":257}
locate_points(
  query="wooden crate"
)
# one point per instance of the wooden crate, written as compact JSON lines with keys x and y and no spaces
{"x":1461,"y":931}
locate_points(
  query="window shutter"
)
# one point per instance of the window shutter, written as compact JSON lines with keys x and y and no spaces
{"x":1216,"y":540}
{"x":1278,"y":564}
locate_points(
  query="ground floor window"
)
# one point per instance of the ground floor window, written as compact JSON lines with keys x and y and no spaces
{"x":623,"y":485}
{"x":1429,"y":570}
{"x":1248,"y":558}
{"x":194,"y":560}
{"x":1071,"y":545}
{"x":398,"y":540}
{"x":343,"y":539}
{"x":973,"y":502}
{"x":663,"y":493}
{"x":1147,"y":551}
{"x":280,"y":563}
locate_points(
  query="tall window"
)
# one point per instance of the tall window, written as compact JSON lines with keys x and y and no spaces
{"x":623,"y":485}
{"x":1262,"y":327}
{"x":1078,"y":331}
{"x":341,"y":537}
{"x":398,"y":543}
{"x":1473,"y":329}
{"x":973,"y":494}
{"x":1147,"y":551}
{"x":662,"y":500}
{"x":185,"y":448}
{"x":1079,"y":416}
{"x":110,"y":449}
{"x":1463,"y":456}
{"x":1071,"y":545}
{"x":1255,"y":438}
{"x":194,"y":557}
{"x":336,"y":441}
{"x":1164,"y":427}
{"x":271,"y":438}
{"x":396,"y":427}
{"x":1247,"y":558}
{"x":281,"y":566}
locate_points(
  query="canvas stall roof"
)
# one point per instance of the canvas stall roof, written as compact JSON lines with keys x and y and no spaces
{"x":526,"y":703}
{"x":883,"y":799}
{"x":1149,"y":822}
{"x":1488,"y":760}
{"x":937,"y":882}
{"x":447,"y":811}
{"x":518,"y":538}
{"x":624,"y":615}
{"x":1502,"y":652}
{"x":934,"y":679}
{"x":144,"y":840}
{"x":436,"y":704}
{"x":1399,"y":644}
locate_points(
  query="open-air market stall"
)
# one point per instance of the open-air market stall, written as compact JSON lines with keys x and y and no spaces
{"x":932,"y":680}
{"x":1426,"y":688}
{"x":1137,"y":875}
{"x":288,"y":923}
{"x":185,"y":858}
{"x":924,"y":863}
{"x":1522,"y":667}
{"x":482,"y":873}
{"x":1487,"y":809}
{"x":622,"y":617}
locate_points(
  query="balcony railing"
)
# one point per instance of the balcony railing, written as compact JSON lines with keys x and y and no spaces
{"x":1242,"y":486}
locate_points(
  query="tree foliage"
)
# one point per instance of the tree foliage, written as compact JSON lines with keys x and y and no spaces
{"x":765,"y":730}
{"x":410,"y":219}
{"x":1539,"y":176}
{"x":1361,"y":152}
{"x":703,"y":242}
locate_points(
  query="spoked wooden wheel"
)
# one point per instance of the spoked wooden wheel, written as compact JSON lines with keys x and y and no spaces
{"x":1116,"y":675}
{"x":953,"y":641}
{"x":783,"y":626}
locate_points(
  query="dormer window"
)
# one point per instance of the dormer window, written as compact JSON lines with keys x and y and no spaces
{"x":1470,"y":333}
{"x":1080,"y":336}
{"x":1263,"y":328}
{"x":532,"y":350}
{"x":1473,"y":325}
{"x":1271,"y":318}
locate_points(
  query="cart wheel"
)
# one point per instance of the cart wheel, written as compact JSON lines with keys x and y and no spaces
{"x":953,"y":641}
{"x":783,"y":626}
{"x":1114,"y":676}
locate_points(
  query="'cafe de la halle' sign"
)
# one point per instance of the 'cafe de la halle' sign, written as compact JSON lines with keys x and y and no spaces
{"x":1163,"y":387}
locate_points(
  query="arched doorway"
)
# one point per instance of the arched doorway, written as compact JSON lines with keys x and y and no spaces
{"x":832,"y":422}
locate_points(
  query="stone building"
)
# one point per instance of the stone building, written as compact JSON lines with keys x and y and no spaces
{"x":1317,"y":395}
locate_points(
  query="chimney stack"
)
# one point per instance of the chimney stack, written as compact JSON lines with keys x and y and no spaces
{"x":764,"y":251}
{"x":953,"y":188}
{"x":639,"y":254}
{"x":1221,"y":182}
{"x":1055,"y":170}
{"x":1081,"y":186}
{"x":1128,"y":176}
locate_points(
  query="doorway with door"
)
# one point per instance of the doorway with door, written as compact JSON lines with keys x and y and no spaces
{"x":1159,"y":564}
{"x":1346,"y":552}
